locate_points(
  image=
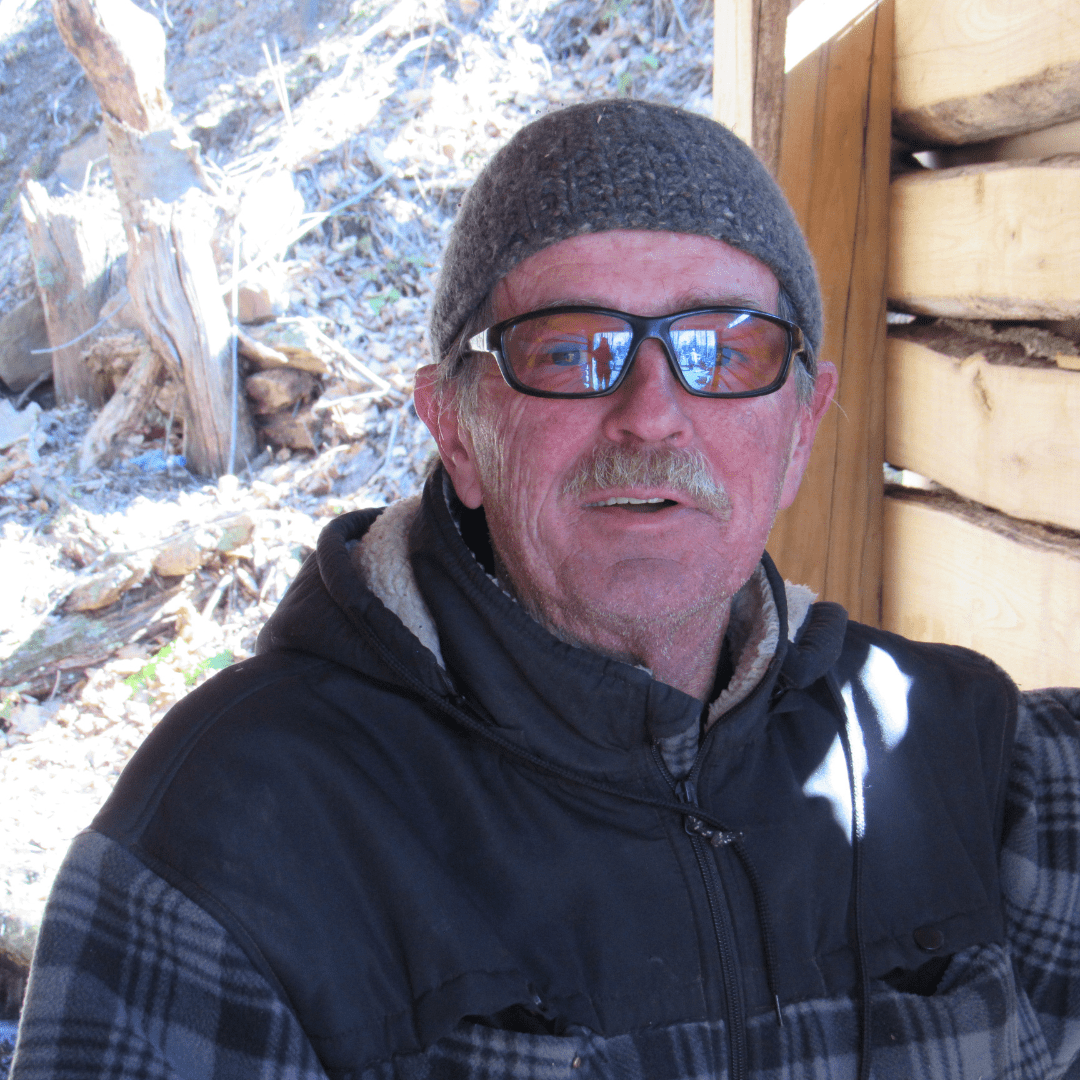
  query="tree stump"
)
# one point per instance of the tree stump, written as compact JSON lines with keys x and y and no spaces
{"x":73,"y":253}
{"x":168,"y":215}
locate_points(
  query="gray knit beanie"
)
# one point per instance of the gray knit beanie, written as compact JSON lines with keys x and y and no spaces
{"x":618,"y":165}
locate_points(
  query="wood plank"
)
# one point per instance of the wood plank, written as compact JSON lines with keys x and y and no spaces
{"x":971,"y":578}
{"x":733,"y":66}
{"x":835,"y":172}
{"x":748,"y":72}
{"x":970,"y":70}
{"x":998,"y":241}
{"x":1000,"y":434}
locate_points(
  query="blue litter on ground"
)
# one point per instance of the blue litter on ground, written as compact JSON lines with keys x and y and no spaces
{"x":158,"y":461}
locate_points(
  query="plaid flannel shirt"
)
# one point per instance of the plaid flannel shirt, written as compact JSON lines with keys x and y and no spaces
{"x":134,"y":981}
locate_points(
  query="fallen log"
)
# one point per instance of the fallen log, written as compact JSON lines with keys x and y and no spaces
{"x":78,"y":640}
{"x":125,"y":412}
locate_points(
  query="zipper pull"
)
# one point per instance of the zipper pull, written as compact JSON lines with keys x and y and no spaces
{"x":716,"y":837}
{"x":687,"y":792}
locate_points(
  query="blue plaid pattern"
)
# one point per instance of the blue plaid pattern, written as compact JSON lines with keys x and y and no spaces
{"x":133,"y":981}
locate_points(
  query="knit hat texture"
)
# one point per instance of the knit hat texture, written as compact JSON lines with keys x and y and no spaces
{"x":618,"y":164}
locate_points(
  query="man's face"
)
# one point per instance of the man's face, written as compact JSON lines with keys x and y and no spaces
{"x":578,"y":561}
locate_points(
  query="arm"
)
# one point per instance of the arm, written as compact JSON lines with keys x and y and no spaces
{"x":1040,"y":867}
{"x":133,"y":980}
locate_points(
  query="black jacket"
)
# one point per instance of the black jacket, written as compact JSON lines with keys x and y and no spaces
{"x":398,"y":846}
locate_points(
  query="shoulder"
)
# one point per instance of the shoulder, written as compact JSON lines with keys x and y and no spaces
{"x":954,"y":665}
{"x":273,"y":729}
{"x":91,"y":1010}
{"x":953,"y":693}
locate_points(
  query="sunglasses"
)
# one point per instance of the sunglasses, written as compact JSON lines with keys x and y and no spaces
{"x":581,"y":352}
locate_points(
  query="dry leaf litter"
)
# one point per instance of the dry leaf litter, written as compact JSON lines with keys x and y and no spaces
{"x":340,"y":139}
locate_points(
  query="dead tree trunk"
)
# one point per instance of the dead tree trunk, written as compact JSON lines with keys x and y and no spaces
{"x":168,"y":216}
{"x":72,"y":255}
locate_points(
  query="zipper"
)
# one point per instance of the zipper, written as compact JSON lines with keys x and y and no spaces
{"x":700,"y":834}
{"x":702,"y":838}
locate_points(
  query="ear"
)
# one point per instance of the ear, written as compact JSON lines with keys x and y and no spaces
{"x":806,"y":426}
{"x":455,"y":445}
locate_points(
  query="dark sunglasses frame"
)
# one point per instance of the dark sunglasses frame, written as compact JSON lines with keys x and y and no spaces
{"x":490,"y":341}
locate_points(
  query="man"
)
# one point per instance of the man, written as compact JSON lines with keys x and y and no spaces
{"x":547,"y":773}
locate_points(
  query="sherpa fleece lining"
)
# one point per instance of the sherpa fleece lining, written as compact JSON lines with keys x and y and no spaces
{"x":381,"y":558}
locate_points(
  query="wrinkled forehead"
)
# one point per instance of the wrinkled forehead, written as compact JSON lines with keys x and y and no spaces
{"x":643,"y":272}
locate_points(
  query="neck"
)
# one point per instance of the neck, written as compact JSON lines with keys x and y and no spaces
{"x":681,"y":649}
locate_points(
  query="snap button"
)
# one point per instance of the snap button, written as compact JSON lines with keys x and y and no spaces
{"x":929,"y":938}
{"x":576,"y":1063}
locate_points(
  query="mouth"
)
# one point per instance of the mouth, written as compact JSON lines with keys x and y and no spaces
{"x":628,"y":502}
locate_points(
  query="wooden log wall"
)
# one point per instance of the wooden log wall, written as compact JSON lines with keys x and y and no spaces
{"x":823,"y":129}
{"x":983,"y":388}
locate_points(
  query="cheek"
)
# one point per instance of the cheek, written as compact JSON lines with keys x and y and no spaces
{"x":750,"y":454}
{"x":525,"y":444}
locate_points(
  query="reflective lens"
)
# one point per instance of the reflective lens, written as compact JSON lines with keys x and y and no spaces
{"x":568,"y":352}
{"x":720,"y":352}
{"x":729,"y":352}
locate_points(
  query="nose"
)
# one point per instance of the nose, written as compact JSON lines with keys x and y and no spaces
{"x":649,"y":406}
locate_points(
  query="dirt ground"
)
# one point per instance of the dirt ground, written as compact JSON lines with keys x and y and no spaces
{"x":395,"y":106}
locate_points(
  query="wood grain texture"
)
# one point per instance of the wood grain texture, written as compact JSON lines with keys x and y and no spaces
{"x":835,"y":172}
{"x":999,"y":434}
{"x":122,"y":49}
{"x":999,"y":241}
{"x":73,"y":252}
{"x":733,"y":65}
{"x":124,"y":412}
{"x":174,"y":287}
{"x":970,"y":70}
{"x":979,"y":580}
{"x":748,"y":72}
{"x":1027,"y":146}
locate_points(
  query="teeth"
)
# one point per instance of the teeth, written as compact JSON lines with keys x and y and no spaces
{"x":626,"y":500}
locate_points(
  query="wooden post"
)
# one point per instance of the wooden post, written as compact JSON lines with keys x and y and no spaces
{"x":834,"y":169}
{"x":168,"y":219}
{"x":748,"y":72}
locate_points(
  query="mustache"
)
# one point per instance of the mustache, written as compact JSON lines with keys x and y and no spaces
{"x":671,"y":468}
